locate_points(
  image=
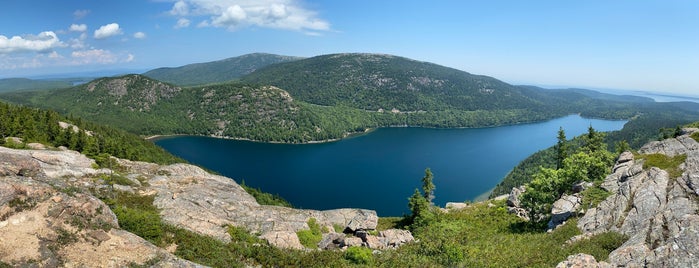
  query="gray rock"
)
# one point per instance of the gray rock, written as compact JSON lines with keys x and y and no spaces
{"x":352,"y":241}
{"x":456,"y":205}
{"x":513,"y":199}
{"x":624,"y":157}
{"x":563,"y":209}
{"x":659,"y":214}
{"x":331,"y":241}
{"x":582,"y":261}
{"x":374,"y":242}
{"x":582,"y":186}
{"x":363,"y":220}
{"x":396,"y":237}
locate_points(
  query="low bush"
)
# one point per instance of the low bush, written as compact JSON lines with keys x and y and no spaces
{"x":359,"y":255}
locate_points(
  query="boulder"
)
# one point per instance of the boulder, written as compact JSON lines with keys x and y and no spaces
{"x":582,"y":186}
{"x":582,"y":261}
{"x":456,"y":205}
{"x":331,"y":241}
{"x":364,"y":220}
{"x":513,"y":198}
{"x":352,"y":241}
{"x":374,"y":242}
{"x":396,"y":237}
{"x":563,"y":209}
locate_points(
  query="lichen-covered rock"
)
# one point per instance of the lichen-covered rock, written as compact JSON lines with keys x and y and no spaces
{"x":659,"y":214}
{"x":52,"y":228}
{"x":582,"y":261}
{"x":363,"y":220}
{"x":563,"y":209}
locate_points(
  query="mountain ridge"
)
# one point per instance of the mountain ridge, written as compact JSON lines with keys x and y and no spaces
{"x":216,"y":71}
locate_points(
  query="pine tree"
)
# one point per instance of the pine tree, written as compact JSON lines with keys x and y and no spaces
{"x":561,"y":148}
{"x":428,"y":186}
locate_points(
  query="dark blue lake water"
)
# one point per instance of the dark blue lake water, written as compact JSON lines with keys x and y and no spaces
{"x":381,"y":169}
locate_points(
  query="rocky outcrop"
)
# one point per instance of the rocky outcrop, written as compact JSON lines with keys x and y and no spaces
{"x":43,"y":226}
{"x":658,"y":213}
{"x":187,"y":196}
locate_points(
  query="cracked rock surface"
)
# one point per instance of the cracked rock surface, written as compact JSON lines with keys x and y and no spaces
{"x":658,"y":213}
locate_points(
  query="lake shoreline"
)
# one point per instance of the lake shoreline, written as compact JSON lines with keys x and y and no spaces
{"x":349,"y":135}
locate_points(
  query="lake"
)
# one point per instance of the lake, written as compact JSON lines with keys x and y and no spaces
{"x":381,"y":169}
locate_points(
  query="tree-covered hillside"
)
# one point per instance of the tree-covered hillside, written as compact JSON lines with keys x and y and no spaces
{"x":373,"y":81}
{"x":34,"y":125}
{"x":657,"y":122}
{"x":216,"y":71}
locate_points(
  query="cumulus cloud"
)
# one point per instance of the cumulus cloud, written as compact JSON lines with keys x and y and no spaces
{"x":139,"y":35}
{"x":236,"y":14}
{"x":78,"y":27}
{"x":80,"y":13}
{"x":108,"y":30}
{"x":182,"y":23}
{"x":43,"y":42}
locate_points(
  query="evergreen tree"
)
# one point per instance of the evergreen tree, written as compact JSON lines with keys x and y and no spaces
{"x":594,"y":141}
{"x":428,"y":186}
{"x":561,"y":148}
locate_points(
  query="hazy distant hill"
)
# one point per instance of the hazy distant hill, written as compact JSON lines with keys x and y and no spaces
{"x":602,"y":96}
{"x":20,"y":84}
{"x":216,"y":71}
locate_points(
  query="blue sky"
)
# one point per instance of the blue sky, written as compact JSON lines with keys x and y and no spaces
{"x":623,"y":44}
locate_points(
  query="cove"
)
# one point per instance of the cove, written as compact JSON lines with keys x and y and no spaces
{"x":381,"y":169}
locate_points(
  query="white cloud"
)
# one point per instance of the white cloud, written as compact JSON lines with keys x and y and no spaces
{"x":43,"y":42}
{"x":139,"y":35}
{"x":81,"y":57}
{"x":108,"y":30}
{"x":236,"y":14}
{"x":129,"y":58}
{"x":180,"y":9}
{"x":80,"y":13}
{"x":182,"y":23}
{"x":78,"y":27}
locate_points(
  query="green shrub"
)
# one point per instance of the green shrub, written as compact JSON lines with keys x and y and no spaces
{"x":263,"y":198}
{"x":311,"y":237}
{"x":116,"y":178}
{"x":146,"y":224}
{"x":695,"y":136}
{"x":599,"y":245}
{"x":592,"y":196}
{"x":359,"y":255}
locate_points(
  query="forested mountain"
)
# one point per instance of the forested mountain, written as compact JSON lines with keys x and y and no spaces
{"x":375,"y":81}
{"x":216,"y":71}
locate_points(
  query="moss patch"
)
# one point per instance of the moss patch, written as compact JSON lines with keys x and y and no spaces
{"x":669,"y":164}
